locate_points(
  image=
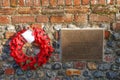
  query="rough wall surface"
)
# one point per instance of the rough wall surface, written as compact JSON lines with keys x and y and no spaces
{"x":53,"y":15}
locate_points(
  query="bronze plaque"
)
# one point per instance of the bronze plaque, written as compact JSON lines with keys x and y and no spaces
{"x":82,"y":44}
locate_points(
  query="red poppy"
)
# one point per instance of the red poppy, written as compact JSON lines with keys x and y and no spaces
{"x":28,"y":62}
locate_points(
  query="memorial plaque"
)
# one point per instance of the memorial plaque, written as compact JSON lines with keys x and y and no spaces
{"x":82,"y":44}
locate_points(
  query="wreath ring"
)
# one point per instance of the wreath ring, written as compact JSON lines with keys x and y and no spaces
{"x":31,"y":62}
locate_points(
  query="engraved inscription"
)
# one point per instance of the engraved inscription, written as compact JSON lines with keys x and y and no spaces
{"x":82,"y":44}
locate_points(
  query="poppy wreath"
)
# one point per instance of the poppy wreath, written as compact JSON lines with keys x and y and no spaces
{"x":31,"y":62}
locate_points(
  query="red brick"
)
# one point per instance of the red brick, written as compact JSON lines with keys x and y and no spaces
{"x":13,"y":3}
{"x":21,"y":3}
{"x":7,"y":11}
{"x":77,"y":2}
{"x":61,"y":2}
{"x":101,"y":18}
{"x":9,"y":71}
{"x":24,"y":10}
{"x":68,"y":2}
{"x":42,"y":19}
{"x":102,"y":2}
{"x":36,"y":3}
{"x":85,"y":2}
{"x":23,"y":19}
{"x":4,"y":20}
{"x":6,"y":3}
{"x":79,"y":65}
{"x":9,"y":34}
{"x":82,"y":18}
{"x":53,"y":3}
{"x":28,"y":10}
{"x":57,"y":19}
{"x":68,"y":18}
{"x":29,"y":2}
{"x":94,"y":2}
{"x":45,"y":2}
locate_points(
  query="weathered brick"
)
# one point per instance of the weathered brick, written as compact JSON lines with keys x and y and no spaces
{"x":38,"y":26}
{"x":56,"y":19}
{"x":102,"y":2}
{"x":77,"y":2}
{"x":58,"y":78}
{"x":45,"y":2}
{"x":53,"y":3}
{"x":101,"y":18}
{"x":116,"y":26}
{"x":82,"y":18}
{"x":42,"y":19}
{"x":29,"y":2}
{"x":9,"y":71}
{"x":1,"y":49}
{"x":110,"y":1}
{"x":99,"y":9}
{"x":24,"y":10}
{"x":23,"y":19}
{"x":118,"y":1}
{"x":92,"y":65}
{"x":68,"y":2}
{"x":36,"y":3}
{"x":4,"y":20}
{"x":108,"y":58}
{"x":9,"y":34}
{"x":6,"y":3}
{"x":2,"y":62}
{"x":52,"y":11}
{"x":61,"y":2}
{"x":56,"y":36}
{"x":107,"y":34}
{"x":85,"y":2}
{"x":68,"y":18}
{"x":13,"y":3}
{"x":72,"y":72}
{"x":56,"y":57}
{"x":7,"y":11}
{"x":0,"y":3}
{"x":77,"y":9}
{"x":21,"y":2}
{"x":35,"y":10}
{"x":94,"y":2}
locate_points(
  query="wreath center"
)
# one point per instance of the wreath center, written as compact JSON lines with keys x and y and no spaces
{"x":30,"y":49}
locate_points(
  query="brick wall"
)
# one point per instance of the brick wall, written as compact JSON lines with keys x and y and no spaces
{"x":58,"y":11}
{"x":52,"y":15}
